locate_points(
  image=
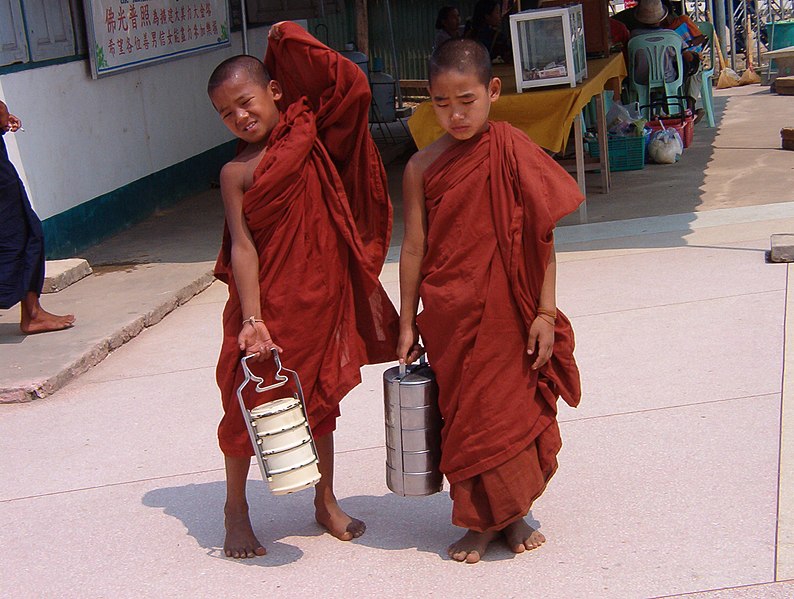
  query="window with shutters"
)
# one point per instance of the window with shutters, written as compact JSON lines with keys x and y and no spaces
{"x":13,"y":42}
{"x":40,"y":30}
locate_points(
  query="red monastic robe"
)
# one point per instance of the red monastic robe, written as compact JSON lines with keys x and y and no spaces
{"x":492,"y":203}
{"x":320,"y":217}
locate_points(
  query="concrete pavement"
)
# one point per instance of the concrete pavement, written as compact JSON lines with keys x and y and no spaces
{"x":675,"y":477}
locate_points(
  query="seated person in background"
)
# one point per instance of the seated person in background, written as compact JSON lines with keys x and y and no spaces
{"x":694,"y":41}
{"x":626,"y":16}
{"x":620,"y":35}
{"x":447,"y":25}
{"x":653,"y":15}
{"x":650,"y":16}
{"x":484,"y":27}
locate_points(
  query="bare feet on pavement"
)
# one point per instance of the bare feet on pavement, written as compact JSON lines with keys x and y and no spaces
{"x":241,"y":542}
{"x":471,"y":547}
{"x":36,"y":319}
{"x":331,"y":517}
{"x":521,"y":537}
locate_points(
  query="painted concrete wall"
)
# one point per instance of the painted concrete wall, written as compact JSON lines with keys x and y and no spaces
{"x":84,"y":138}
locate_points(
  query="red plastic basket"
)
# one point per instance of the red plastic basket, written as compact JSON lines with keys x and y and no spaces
{"x":683,"y":121}
{"x":684,"y":125}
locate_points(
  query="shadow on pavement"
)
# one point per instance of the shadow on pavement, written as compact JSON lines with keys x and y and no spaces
{"x":394,"y":523}
{"x":10,"y":333}
{"x":200,"y":508}
{"x":421,"y":523}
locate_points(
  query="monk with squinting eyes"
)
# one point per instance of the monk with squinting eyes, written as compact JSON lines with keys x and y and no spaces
{"x":308,"y":221}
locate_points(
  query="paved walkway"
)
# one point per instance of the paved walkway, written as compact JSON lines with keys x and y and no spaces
{"x":675,"y":477}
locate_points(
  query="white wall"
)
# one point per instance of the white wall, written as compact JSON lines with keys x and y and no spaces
{"x":84,"y":137}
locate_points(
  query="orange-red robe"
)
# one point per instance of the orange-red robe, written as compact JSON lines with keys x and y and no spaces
{"x":320,"y":217}
{"x":492,"y":203}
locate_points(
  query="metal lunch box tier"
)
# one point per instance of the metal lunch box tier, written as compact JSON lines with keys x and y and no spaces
{"x":295,"y":480}
{"x":277,"y":415}
{"x":416,"y":440}
{"x":290,"y":459}
{"x":413,"y":462}
{"x":414,"y":418}
{"x":413,"y":485}
{"x":418,"y":384}
{"x":284,"y":440}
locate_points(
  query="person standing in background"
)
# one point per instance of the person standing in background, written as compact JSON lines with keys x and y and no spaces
{"x":21,"y":245}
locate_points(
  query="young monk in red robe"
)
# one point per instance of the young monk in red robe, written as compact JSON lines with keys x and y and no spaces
{"x":308,"y":221}
{"x":480,"y":207}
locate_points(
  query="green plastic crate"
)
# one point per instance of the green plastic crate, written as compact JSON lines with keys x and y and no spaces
{"x":625,"y":153}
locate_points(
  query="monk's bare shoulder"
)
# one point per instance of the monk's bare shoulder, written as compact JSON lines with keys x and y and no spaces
{"x":237,"y":175}
{"x":232,"y":180}
{"x":422,"y":159}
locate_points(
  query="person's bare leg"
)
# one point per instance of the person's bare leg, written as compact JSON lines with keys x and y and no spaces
{"x":472,"y":546}
{"x":240,"y":538}
{"x":326,"y":509}
{"x":521,"y":537}
{"x":36,"y":319}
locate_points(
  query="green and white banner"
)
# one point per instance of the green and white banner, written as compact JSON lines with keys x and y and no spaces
{"x":125,"y":34}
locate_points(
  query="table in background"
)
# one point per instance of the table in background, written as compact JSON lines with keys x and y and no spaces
{"x":545,"y":114}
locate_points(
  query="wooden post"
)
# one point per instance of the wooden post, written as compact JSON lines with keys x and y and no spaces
{"x":362,"y":27}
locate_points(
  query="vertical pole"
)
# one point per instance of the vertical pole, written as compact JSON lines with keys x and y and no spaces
{"x":719,"y":22}
{"x":603,"y":142}
{"x":244,"y":25}
{"x":732,"y":33}
{"x":362,"y":27}
{"x":757,"y":34}
{"x":394,"y":55}
{"x":579,"y":142}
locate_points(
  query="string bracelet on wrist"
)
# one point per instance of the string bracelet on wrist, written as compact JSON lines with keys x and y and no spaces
{"x":550,"y":313}
{"x":252,"y":320}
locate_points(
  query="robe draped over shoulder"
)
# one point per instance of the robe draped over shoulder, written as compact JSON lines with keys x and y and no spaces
{"x":321,"y":228}
{"x":21,"y":238}
{"x":492,"y":203}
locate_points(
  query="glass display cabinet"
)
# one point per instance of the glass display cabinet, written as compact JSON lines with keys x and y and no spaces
{"x":548,"y":47}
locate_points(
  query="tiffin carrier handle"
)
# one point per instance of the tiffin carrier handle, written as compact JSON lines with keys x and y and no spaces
{"x":281,"y":379}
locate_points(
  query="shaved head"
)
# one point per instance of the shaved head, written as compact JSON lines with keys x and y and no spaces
{"x":462,"y":56}
{"x":252,"y":67}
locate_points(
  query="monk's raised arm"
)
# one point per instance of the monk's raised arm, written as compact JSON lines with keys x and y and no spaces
{"x":335,"y":87}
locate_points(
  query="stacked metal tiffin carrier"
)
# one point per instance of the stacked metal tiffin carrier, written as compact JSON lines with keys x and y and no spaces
{"x":413,"y":430}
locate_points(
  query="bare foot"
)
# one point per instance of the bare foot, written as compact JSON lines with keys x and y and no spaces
{"x":521,"y":537}
{"x":240,"y":539}
{"x":36,"y":319}
{"x":471,"y":547}
{"x":47,"y":322}
{"x":330,"y":516}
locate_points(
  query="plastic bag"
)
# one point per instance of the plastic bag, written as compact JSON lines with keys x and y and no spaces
{"x":665,"y":146}
{"x":624,"y":120}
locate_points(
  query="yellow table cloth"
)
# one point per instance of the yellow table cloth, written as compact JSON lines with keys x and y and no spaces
{"x":544,"y":114}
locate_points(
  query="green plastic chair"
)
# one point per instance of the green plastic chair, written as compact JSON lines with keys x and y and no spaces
{"x":656,"y":46}
{"x":706,"y":86}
